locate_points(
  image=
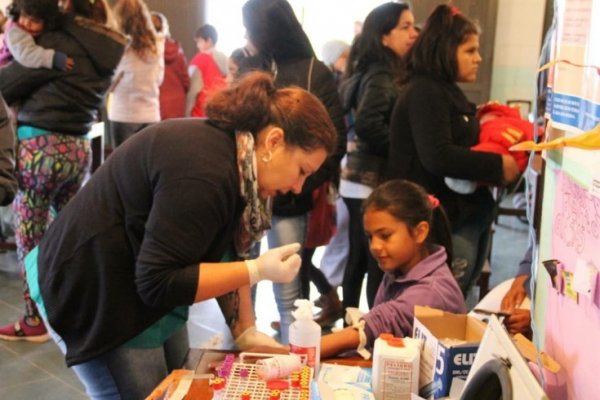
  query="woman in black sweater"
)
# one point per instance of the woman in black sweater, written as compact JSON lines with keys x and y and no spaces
{"x":433,"y":127}
{"x":147,"y":235}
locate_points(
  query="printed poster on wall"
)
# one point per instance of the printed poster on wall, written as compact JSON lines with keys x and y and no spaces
{"x":574,"y":100}
{"x":571,"y":206}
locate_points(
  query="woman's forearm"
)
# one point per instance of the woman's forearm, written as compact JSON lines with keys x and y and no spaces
{"x":217,"y":279}
{"x":237,"y":310}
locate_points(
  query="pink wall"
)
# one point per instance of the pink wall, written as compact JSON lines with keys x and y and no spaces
{"x":573,"y":328}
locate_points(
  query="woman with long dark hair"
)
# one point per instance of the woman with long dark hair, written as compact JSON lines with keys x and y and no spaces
{"x":373,"y":75}
{"x":284,"y":50}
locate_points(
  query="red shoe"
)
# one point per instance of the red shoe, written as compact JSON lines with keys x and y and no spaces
{"x":20,"y":330}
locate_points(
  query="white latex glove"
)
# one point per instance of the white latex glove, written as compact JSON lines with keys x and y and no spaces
{"x":252,"y":338}
{"x":279,"y":265}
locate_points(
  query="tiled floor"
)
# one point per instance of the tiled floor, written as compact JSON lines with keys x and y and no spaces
{"x":29,"y":371}
{"x":37,"y":371}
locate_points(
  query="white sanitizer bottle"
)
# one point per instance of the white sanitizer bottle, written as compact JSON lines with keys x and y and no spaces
{"x":395,"y":367}
{"x":305,"y":334}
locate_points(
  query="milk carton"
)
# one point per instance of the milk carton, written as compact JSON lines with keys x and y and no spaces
{"x":395,"y":367}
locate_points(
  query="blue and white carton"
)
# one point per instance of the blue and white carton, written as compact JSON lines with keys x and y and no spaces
{"x":450,"y":342}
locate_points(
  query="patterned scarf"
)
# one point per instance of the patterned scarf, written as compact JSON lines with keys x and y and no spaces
{"x":256,"y":218}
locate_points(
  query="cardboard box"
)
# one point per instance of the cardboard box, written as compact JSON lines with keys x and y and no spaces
{"x":450,"y":342}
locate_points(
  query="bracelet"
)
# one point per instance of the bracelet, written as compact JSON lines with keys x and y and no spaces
{"x":253,"y":273}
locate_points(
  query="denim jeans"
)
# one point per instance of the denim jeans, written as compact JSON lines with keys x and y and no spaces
{"x":470,"y":244}
{"x":129,"y":373}
{"x":286,"y":230}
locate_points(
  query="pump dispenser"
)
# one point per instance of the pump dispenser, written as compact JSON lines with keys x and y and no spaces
{"x":305,"y":334}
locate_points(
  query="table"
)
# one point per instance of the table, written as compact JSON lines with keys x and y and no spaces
{"x":203,"y":361}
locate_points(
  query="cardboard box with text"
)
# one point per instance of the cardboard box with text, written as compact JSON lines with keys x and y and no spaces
{"x":450,"y":342}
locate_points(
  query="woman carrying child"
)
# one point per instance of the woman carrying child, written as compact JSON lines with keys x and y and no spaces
{"x":56,"y":111}
{"x":434,"y":126}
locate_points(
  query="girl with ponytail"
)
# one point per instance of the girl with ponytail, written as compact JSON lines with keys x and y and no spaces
{"x":409,"y":237}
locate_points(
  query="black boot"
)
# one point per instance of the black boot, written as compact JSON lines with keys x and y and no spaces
{"x":331,"y":309}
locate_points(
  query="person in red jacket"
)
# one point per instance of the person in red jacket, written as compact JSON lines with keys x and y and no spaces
{"x":205,"y":74}
{"x":176,"y":82}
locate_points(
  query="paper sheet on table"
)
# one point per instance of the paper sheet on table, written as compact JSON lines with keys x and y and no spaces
{"x":343,"y":382}
{"x":345,"y":391}
{"x":334,"y":373}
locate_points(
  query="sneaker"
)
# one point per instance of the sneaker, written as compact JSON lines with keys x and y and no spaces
{"x":20,"y":330}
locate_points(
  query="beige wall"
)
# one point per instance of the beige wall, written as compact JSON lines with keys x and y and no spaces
{"x":3,"y":4}
{"x":184,"y":19}
{"x":519,"y":32}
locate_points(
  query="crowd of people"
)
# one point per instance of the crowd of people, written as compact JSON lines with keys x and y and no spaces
{"x":274,"y":130}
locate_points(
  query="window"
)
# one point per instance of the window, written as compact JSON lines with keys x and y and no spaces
{"x":323,"y":20}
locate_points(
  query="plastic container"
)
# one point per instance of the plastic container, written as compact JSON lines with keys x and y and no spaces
{"x":395,"y":367}
{"x":305,"y":334}
{"x":279,"y":366}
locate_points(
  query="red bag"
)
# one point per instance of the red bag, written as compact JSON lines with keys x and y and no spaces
{"x":322,"y":218}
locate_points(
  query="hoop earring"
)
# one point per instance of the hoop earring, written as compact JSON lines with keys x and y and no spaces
{"x":267,"y":157}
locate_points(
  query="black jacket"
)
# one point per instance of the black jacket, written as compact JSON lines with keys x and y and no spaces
{"x":369,"y":98}
{"x":66,"y":101}
{"x":323,"y":86}
{"x":433,"y":126}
